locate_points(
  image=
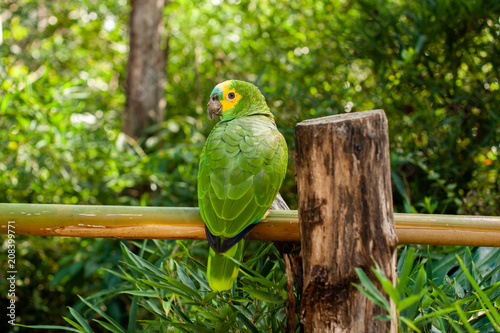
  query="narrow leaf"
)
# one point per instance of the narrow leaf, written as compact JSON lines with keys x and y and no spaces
{"x":51,"y":327}
{"x":80,"y":319}
{"x":132,"y":319}
{"x":102,"y":313}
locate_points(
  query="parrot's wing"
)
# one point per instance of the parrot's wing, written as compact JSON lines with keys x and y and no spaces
{"x":242,"y":167}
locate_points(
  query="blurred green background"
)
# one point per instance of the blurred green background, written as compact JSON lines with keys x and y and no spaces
{"x":433,"y":66}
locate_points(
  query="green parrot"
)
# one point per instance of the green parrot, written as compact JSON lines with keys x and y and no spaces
{"x":242,"y":166}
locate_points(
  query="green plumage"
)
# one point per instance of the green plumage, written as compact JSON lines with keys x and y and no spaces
{"x":242,"y":166}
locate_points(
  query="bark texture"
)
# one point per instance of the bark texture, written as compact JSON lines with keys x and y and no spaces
{"x":146,"y":73}
{"x":342,"y":167}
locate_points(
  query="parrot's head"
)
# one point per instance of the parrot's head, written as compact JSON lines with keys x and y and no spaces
{"x":233,"y":98}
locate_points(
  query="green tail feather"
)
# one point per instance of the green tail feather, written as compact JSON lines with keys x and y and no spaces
{"x":222,"y":271}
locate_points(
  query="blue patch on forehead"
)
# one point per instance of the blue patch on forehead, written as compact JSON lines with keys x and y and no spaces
{"x":217,"y":91}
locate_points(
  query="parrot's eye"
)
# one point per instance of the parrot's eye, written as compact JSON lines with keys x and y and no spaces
{"x":231,"y":96}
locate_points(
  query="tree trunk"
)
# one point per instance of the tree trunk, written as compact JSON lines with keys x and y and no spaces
{"x":346,"y":218}
{"x":146,"y":73}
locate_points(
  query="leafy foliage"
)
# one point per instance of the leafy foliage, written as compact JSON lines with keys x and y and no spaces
{"x":431,"y":66}
{"x":441,"y":293}
{"x":51,"y":272}
{"x":168,"y":293}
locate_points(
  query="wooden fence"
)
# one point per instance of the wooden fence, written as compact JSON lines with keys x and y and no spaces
{"x":344,"y":220}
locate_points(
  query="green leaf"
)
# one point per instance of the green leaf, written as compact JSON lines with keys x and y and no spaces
{"x":167,"y":288}
{"x":492,"y":320}
{"x":80,"y":319}
{"x":180,"y":313}
{"x":265,"y":296}
{"x":141,"y":262}
{"x":445,"y":301}
{"x":102,"y":313}
{"x":146,"y":293}
{"x":254,"y":276}
{"x":428,"y":264}
{"x":410,"y":324}
{"x":132,"y":319}
{"x":454,"y":325}
{"x":54,"y":327}
{"x":468,"y":264}
{"x":464,"y":318}
{"x":184,"y":277}
{"x":153,"y":308}
{"x":386,"y":284}
{"x":201,"y":279}
{"x":400,"y":187}
{"x":75,"y":324}
{"x":181,"y":286}
{"x":410,"y":300}
{"x":493,"y":311}
{"x":371,"y":291}
{"x":250,"y":327}
{"x":459,"y":289}
{"x":189,"y":327}
{"x":261,"y":251}
{"x":167,"y":305}
{"x":418,"y":289}
{"x":198,"y":263}
{"x":404,"y":274}
{"x":109,"y":327}
{"x":401,"y":260}
{"x":209,"y":296}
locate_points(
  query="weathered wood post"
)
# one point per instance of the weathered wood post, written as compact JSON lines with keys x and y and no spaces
{"x":346,"y":218}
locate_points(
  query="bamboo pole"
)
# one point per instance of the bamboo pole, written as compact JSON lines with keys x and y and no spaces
{"x":130,"y":222}
{"x":133,"y":222}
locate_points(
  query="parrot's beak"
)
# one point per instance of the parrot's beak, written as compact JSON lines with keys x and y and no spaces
{"x":214,"y":106}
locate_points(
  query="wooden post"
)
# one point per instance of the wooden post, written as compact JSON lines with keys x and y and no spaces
{"x":346,"y":218}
